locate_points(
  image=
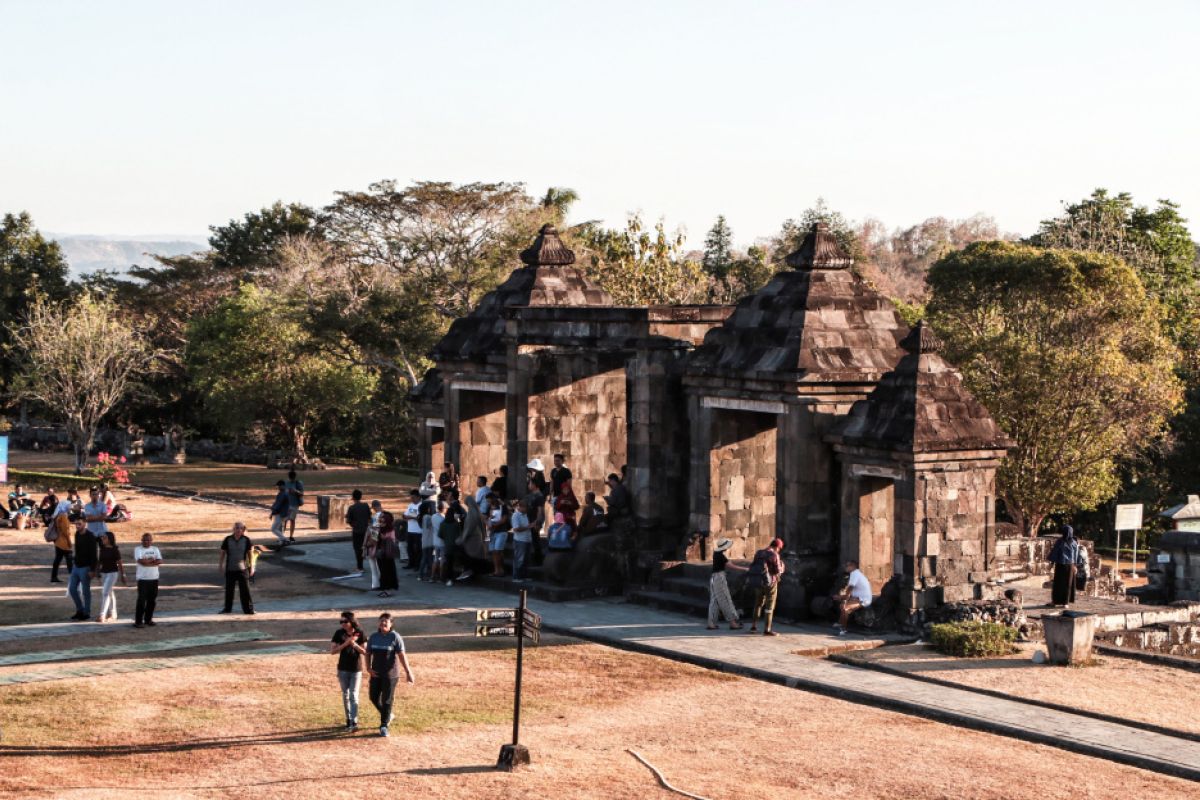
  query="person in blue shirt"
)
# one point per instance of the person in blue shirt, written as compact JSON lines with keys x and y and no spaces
{"x":385,"y":656}
{"x":295,"y":490}
{"x":1065,"y":558}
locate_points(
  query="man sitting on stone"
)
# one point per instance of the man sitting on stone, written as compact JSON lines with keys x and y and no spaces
{"x":854,"y":595}
{"x":617,"y":499}
{"x":591,"y":518}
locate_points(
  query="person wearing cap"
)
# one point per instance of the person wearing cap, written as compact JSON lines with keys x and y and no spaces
{"x":719,"y":600}
{"x":765,"y":572}
{"x":280,"y":511}
{"x":1065,"y":558}
{"x":854,"y":595}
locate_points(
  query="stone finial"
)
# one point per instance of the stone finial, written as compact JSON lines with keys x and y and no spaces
{"x":819,"y":250}
{"x":548,"y":250}
{"x":922,"y":339}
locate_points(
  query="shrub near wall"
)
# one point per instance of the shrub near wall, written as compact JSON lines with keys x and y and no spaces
{"x":973,"y":639}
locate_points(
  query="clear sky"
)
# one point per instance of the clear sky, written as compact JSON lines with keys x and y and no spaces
{"x":167,"y":117}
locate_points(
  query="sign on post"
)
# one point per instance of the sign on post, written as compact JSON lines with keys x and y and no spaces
{"x":1129,"y":518}
{"x":522,"y":624}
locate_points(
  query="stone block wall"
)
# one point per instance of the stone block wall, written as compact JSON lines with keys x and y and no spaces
{"x":581,"y":413}
{"x":947,"y":556}
{"x":481,"y":434}
{"x":742,"y":480}
{"x":1174,"y":567}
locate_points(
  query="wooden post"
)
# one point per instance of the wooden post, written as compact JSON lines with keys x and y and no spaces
{"x":515,"y":755}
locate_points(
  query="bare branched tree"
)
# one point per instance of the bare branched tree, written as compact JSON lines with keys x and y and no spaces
{"x":79,"y":360}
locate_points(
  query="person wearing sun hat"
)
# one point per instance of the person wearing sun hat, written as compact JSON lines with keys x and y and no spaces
{"x":719,"y":600}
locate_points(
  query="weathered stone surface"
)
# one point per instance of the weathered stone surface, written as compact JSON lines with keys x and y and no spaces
{"x":1069,"y":637}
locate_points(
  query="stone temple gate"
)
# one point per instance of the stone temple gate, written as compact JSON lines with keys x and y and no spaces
{"x":809,"y":412}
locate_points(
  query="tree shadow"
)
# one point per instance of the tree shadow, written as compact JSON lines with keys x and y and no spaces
{"x":222,"y":743}
{"x":471,"y":770}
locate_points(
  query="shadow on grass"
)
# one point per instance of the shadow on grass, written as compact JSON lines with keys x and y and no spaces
{"x":223,"y":743}
{"x":471,"y":770}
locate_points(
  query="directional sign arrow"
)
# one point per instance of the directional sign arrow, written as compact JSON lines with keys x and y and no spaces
{"x":495,"y":613}
{"x":489,"y":630}
{"x":533,"y":619}
{"x":532,"y":634}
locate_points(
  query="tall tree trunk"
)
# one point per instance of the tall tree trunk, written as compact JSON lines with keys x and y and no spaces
{"x":299,"y":439}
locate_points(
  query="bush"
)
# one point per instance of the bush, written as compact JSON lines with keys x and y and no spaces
{"x":973,"y":639}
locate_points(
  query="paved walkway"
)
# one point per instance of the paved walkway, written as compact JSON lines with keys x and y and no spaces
{"x":661,"y":633}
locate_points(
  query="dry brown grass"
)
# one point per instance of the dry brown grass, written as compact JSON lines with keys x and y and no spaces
{"x":269,"y":729}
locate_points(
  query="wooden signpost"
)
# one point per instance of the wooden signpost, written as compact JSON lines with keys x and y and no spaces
{"x":523,"y":624}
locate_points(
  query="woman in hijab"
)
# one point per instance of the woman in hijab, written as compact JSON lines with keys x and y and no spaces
{"x":1065,"y":558}
{"x":566,"y":503}
{"x":429,"y":487}
{"x":470,"y":542}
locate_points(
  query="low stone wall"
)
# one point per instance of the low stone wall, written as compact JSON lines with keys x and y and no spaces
{"x":1173,"y":570}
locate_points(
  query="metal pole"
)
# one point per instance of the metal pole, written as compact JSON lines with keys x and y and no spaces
{"x":1134,"y":559}
{"x":1117,"y":568}
{"x":520,"y":653}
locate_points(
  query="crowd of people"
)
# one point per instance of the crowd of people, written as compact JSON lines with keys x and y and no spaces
{"x":452,"y":532}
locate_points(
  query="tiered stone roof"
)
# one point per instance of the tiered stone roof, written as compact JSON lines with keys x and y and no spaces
{"x":922,"y":407}
{"x":817,"y":323}
{"x":547,"y":279}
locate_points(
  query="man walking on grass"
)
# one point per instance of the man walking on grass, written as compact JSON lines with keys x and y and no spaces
{"x":235,"y":557}
{"x":385,"y":656}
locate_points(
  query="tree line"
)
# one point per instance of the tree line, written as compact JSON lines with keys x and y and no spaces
{"x":304,"y":328}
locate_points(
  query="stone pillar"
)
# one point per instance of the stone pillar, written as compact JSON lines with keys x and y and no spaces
{"x":701,"y":419}
{"x":521,"y":368}
{"x":452,"y":419}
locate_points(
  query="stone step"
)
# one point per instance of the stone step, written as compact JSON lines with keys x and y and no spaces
{"x":671,"y":601}
{"x":688,"y":587}
{"x":543,"y":590}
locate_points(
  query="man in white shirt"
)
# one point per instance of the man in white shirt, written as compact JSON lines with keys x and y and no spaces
{"x":855,"y":595}
{"x":412,"y":530}
{"x":481,"y":494}
{"x":148,"y":559}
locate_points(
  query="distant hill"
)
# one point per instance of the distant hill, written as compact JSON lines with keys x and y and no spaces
{"x":87,"y":254}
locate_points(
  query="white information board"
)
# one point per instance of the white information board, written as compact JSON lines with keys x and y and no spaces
{"x":1129,"y":517}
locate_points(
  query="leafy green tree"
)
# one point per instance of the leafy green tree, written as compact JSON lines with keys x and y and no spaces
{"x":79,"y":360}
{"x":31,"y":267}
{"x":639,"y":266}
{"x":1156,"y":243}
{"x":718,"y":249}
{"x":252,"y":360}
{"x":251,"y":244}
{"x":792,"y":233}
{"x":1066,"y":349}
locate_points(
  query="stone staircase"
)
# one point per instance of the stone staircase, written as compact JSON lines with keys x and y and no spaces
{"x":682,"y":587}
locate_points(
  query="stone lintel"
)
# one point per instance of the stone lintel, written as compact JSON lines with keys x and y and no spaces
{"x":435,"y":422}
{"x":479,"y":386}
{"x":740,"y":404}
{"x":876,"y":471}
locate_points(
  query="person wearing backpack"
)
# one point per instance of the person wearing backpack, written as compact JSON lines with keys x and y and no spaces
{"x":763,"y":578}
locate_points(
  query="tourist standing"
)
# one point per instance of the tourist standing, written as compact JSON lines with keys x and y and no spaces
{"x":559,"y":475}
{"x":855,"y":594}
{"x":349,"y":644}
{"x":62,"y":525}
{"x":448,"y":479}
{"x":385,"y":656}
{"x":148,"y":559}
{"x":481,"y":491}
{"x":295,"y":490}
{"x":234,"y":562}
{"x":500,"y":484}
{"x":429,"y":487}
{"x":522,"y":533}
{"x":498,"y":526}
{"x":1065,"y":558}
{"x":719,"y":600}
{"x":535,"y":508}
{"x":430,"y":523}
{"x":79,"y":585}
{"x":413,"y":530}
{"x":469,"y":549}
{"x":565,"y":502}
{"x":765,"y":572}
{"x":280,"y":508}
{"x":111,"y":567}
{"x":358,"y":517}
{"x":386,"y":550}
{"x":448,"y":534}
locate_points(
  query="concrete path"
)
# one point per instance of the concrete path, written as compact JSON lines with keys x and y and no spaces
{"x":615,"y":623}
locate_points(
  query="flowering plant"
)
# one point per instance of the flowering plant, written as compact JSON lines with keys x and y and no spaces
{"x":108,"y":469}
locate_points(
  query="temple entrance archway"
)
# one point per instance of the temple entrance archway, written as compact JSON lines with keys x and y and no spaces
{"x":742,"y":479}
{"x":482,"y":444}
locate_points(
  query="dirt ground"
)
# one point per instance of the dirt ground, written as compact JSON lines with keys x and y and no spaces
{"x":1118,"y":686}
{"x":270,"y":727}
